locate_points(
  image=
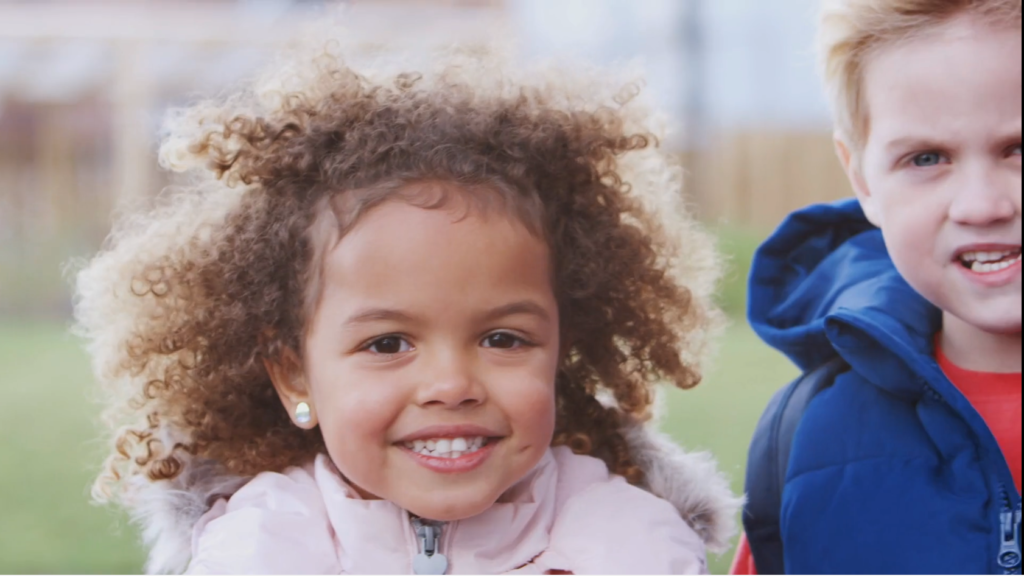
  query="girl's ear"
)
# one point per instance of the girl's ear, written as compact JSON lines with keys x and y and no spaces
{"x":855,"y":173}
{"x":289,"y":380}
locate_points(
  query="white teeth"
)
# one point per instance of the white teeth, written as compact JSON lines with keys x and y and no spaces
{"x":990,"y":262}
{"x":988,"y":267}
{"x":988,"y":257}
{"x":447,"y":447}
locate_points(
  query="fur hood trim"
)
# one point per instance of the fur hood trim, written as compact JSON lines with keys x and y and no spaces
{"x":166,"y":511}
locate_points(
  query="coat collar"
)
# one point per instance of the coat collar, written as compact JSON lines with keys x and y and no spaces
{"x":506,"y":536}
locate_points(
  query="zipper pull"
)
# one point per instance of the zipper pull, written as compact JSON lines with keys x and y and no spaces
{"x":429,"y":560}
{"x":1009,"y":551}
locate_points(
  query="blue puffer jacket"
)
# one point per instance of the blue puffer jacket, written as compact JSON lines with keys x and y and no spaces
{"x":892,"y":470}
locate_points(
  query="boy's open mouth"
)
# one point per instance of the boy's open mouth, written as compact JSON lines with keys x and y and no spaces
{"x":989,"y":261}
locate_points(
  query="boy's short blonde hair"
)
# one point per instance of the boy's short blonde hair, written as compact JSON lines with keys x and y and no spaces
{"x":851,"y":31}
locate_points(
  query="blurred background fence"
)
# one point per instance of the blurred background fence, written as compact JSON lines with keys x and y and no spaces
{"x":83,"y":86}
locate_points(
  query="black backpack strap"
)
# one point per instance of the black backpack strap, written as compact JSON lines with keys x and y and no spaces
{"x":768,"y":463}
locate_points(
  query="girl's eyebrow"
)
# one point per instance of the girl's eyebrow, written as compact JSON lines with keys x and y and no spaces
{"x":522,"y":307}
{"x":369,"y":315}
{"x":377,"y":315}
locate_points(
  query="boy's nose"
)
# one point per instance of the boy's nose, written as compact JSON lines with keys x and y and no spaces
{"x":987,"y":199}
{"x":450,"y":381}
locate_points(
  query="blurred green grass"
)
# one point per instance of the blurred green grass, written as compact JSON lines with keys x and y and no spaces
{"x":50,"y":448}
{"x":719,"y":416}
{"x":48,"y":455}
{"x":738,"y":246}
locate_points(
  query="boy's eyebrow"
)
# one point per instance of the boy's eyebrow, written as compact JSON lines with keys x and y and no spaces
{"x":923,"y":142}
{"x":931,"y":142}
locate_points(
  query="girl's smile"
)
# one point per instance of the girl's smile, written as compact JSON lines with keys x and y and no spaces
{"x":451,"y":449}
{"x":452,"y":456}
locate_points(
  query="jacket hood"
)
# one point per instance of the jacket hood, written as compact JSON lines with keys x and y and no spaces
{"x":824,"y":285}
{"x":167,"y":511}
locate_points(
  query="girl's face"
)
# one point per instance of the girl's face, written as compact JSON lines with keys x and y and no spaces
{"x":430,"y":361}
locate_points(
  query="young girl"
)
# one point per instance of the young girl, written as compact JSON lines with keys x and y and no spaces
{"x":408,"y":323}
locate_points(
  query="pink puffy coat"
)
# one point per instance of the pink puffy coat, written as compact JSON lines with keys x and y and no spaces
{"x":568,"y":515}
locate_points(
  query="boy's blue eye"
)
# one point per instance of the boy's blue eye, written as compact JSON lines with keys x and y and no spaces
{"x":389,"y":345}
{"x":928,"y":160}
{"x":502,"y":340}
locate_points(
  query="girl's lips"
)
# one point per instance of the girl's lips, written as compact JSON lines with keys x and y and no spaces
{"x":460,"y":465}
{"x":459,"y":431}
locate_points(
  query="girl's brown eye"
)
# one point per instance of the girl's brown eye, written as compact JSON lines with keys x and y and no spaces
{"x":502,"y":340}
{"x":389,"y":345}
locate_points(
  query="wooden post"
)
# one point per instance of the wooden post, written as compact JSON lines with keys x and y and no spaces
{"x":132,"y":133}
{"x":55,"y":170}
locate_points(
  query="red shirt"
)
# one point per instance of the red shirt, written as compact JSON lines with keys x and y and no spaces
{"x":743,"y":564}
{"x":997,"y":397}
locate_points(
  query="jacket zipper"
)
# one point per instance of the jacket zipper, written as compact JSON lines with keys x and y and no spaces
{"x":1009,"y":558}
{"x":1010,"y":546}
{"x":428,"y":559}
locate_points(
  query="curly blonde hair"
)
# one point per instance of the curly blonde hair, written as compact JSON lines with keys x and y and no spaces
{"x":186,"y":300}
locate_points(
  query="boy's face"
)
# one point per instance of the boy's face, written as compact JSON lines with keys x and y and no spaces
{"x":431,"y":359}
{"x":940,"y":171}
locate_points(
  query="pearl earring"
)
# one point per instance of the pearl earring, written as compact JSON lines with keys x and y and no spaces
{"x":303,"y":415}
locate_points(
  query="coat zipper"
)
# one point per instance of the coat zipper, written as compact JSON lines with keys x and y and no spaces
{"x":428,"y":559}
{"x":1009,"y":558}
{"x":1010,"y":546}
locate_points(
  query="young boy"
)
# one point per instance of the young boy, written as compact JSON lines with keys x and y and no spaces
{"x":910,"y":461}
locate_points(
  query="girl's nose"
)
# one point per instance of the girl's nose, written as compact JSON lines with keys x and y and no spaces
{"x":451,"y":382}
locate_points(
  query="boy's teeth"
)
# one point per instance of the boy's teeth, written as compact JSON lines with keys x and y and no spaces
{"x":989,"y":257}
{"x":447,"y":447}
{"x":989,"y":262}
{"x":987,"y":267}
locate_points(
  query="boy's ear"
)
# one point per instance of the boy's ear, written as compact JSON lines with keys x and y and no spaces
{"x":289,"y":381}
{"x":852,"y":167}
